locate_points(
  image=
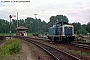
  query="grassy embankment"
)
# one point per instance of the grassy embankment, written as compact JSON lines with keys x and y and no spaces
{"x":11,"y":50}
{"x":8,"y":34}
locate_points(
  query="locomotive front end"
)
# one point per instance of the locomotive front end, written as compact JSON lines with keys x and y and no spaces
{"x":68,"y":33}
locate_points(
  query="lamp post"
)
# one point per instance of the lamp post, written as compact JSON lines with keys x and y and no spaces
{"x":88,"y":37}
{"x":81,"y":30}
{"x":35,"y":21}
{"x":35,"y":15}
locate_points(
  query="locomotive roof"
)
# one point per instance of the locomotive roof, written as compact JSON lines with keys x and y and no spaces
{"x":67,"y":25}
{"x":61,"y":22}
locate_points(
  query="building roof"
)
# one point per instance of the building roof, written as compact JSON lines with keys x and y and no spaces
{"x":21,"y":27}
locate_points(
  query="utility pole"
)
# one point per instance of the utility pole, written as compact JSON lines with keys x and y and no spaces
{"x":17,"y":19}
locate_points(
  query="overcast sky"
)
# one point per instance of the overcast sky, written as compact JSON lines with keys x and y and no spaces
{"x":75,"y":10}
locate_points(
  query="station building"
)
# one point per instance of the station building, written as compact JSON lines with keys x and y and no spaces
{"x":21,"y":31}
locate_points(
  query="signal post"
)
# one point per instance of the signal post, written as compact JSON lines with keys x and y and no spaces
{"x":10,"y":25}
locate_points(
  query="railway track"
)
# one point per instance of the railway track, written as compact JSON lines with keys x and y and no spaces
{"x":81,"y":45}
{"x":57,"y":54}
{"x":85,"y":46}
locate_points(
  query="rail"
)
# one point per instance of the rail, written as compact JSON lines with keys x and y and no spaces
{"x":85,"y":46}
{"x":57,"y":54}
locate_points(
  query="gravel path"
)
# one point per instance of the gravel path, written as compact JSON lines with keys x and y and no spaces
{"x":26,"y":51}
{"x":2,"y":43}
{"x":32,"y":52}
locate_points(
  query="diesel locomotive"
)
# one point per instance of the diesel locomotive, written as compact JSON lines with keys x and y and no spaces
{"x":61,"y":32}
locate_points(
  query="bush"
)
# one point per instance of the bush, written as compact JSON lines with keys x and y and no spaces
{"x":13,"y":47}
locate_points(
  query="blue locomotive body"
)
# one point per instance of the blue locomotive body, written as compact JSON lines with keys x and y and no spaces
{"x":61,"y":32}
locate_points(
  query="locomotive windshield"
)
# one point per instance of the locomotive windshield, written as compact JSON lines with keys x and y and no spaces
{"x":58,"y":24}
{"x":68,"y":30}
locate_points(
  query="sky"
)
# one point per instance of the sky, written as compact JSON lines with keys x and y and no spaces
{"x":74,"y":10}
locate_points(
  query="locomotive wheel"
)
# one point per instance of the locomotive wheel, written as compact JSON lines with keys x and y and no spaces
{"x":51,"y":40}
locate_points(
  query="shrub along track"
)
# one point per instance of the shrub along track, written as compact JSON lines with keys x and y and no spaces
{"x":57,"y":54}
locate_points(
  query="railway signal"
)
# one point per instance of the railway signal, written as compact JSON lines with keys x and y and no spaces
{"x":10,"y":16}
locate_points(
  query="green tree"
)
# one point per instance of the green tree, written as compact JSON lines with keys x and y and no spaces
{"x":88,"y":27}
{"x":62,"y":18}
{"x":77,"y":26}
{"x":82,"y":31}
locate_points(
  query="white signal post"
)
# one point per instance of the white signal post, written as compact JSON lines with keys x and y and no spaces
{"x":17,"y":19}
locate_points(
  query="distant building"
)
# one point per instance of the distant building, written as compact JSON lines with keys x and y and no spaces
{"x":21,"y":31}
